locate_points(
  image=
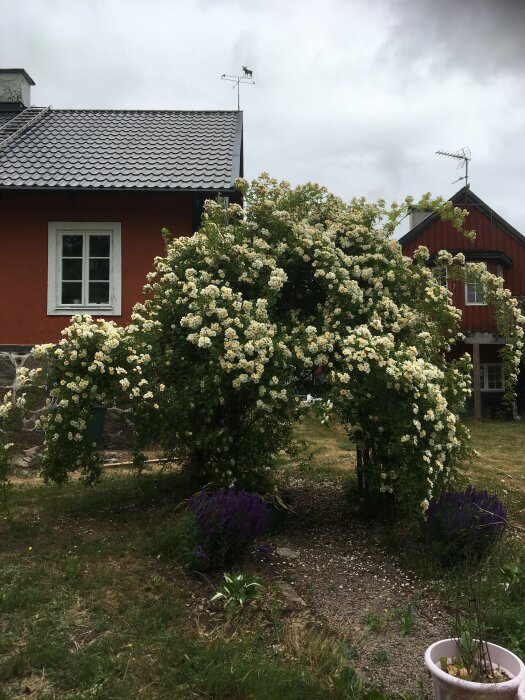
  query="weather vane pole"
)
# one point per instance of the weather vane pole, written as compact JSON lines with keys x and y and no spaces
{"x":464,"y":157}
{"x":244,"y":79}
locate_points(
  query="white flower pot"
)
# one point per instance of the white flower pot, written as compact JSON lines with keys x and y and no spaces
{"x":521,"y":692}
{"x":448,"y":687}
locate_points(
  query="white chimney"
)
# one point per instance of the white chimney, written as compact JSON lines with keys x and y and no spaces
{"x":416,"y":217}
{"x":15,"y":88}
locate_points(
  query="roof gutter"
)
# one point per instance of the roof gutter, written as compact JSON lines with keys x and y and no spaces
{"x":157,"y":190}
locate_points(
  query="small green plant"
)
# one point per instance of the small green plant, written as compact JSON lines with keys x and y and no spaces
{"x":238,"y":589}
{"x":373,"y":622}
{"x":407,"y":620}
{"x":350,"y":686}
{"x":513,"y":576}
{"x":381,"y":656}
{"x":473,"y":662}
{"x":349,"y":651}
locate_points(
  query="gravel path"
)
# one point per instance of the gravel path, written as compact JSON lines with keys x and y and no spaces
{"x":387,"y":616}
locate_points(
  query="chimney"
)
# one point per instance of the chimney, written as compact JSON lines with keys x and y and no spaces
{"x":15,"y":89}
{"x":416,"y":217}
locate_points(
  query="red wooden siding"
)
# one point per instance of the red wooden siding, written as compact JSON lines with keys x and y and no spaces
{"x":440,"y":235}
{"x":24,"y":218}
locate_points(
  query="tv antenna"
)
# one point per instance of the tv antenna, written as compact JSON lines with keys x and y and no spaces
{"x":464,"y":157}
{"x":244,"y":79}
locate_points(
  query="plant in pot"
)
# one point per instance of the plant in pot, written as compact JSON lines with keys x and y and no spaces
{"x":473,"y":668}
{"x":466,"y":665}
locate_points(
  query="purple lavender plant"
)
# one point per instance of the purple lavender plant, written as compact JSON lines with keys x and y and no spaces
{"x":464,"y":524}
{"x":227,"y":522}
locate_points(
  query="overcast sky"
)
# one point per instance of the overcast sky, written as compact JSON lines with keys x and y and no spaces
{"x":356,"y":95}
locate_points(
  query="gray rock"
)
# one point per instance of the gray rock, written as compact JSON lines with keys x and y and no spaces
{"x":287,"y":553}
{"x":28,"y":458}
{"x":291,"y":594}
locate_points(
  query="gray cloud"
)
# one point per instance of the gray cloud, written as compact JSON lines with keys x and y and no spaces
{"x":480,"y":37}
{"x":355,"y":95}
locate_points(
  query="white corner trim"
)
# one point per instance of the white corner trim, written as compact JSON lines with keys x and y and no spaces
{"x":55,"y":228}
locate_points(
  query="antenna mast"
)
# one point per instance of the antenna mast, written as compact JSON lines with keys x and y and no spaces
{"x":244,"y":79}
{"x":464,"y":157}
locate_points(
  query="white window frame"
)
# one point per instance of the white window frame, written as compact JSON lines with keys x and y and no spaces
{"x":440,"y":275}
{"x":484,"y":376}
{"x":477,"y":292}
{"x":56,"y":229}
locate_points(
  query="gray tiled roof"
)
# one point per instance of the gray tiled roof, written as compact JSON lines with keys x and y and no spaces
{"x":117,"y":149}
{"x":5,"y":117}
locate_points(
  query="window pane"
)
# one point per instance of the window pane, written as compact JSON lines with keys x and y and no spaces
{"x":71,"y":269}
{"x":99,"y":269}
{"x":99,"y":246}
{"x":71,"y":292}
{"x":72,"y":246}
{"x":495,"y":377}
{"x":99,"y":292}
{"x":474,"y":293}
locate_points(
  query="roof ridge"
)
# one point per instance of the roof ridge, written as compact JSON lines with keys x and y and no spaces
{"x":23,"y":121}
{"x":137,"y":110}
{"x":471,"y":199}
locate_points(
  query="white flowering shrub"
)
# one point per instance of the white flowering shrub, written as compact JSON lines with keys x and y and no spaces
{"x":95,"y":364}
{"x":11,"y":411}
{"x":297,"y":280}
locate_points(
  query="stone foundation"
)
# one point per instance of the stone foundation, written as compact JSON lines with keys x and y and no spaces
{"x":117,"y":428}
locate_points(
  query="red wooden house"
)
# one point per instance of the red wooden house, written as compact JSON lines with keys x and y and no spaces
{"x":84,"y":195}
{"x":502,"y":249}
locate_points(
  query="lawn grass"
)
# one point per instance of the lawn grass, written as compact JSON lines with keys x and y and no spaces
{"x":500,"y":466}
{"x":86,"y":611}
{"x":89,"y":609}
{"x":325,"y":449}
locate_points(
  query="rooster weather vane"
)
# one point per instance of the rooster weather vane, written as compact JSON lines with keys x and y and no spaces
{"x":244,"y":79}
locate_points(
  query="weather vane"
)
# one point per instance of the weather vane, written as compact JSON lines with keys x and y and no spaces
{"x":464,"y":157}
{"x":244,"y":79}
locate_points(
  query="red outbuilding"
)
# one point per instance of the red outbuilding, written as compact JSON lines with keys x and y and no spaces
{"x":502,"y":249}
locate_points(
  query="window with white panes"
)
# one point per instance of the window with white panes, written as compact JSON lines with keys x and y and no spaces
{"x":84,"y":268}
{"x":474,"y":293}
{"x":492,"y":377}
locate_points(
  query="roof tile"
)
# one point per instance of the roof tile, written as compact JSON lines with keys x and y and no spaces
{"x":113,"y":149}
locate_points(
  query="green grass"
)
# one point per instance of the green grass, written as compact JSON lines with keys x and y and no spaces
{"x":501,"y":463}
{"x":89,"y":609}
{"x":94,"y":604}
